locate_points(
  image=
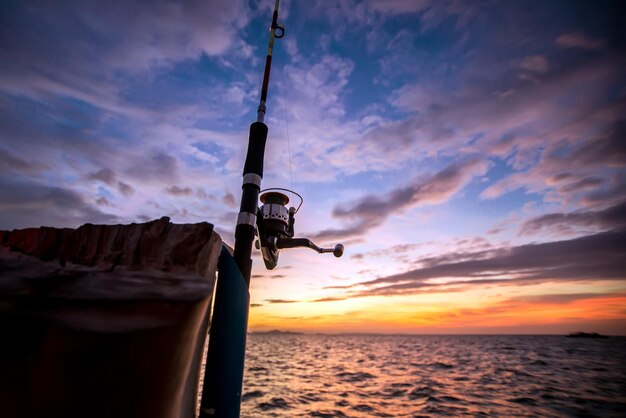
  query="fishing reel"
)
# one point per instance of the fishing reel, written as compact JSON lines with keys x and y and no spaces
{"x":275,"y":228}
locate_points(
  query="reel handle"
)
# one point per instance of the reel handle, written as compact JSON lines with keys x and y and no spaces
{"x":305,"y":242}
{"x":337,"y":251}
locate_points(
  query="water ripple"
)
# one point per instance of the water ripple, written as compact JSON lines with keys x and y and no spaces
{"x":424,"y":376}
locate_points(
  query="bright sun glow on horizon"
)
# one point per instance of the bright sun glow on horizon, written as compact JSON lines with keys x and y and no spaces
{"x":469,"y":155}
{"x":482,"y":311}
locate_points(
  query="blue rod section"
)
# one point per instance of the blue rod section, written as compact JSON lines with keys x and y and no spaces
{"x":223,"y":379}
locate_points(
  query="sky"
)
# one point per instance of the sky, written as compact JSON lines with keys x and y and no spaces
{"x":470,"y":155}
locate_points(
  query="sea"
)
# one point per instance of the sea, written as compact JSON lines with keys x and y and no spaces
{"x":293,"y":375}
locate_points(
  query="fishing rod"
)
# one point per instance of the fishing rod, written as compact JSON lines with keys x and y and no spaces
{"x":273,"y":224}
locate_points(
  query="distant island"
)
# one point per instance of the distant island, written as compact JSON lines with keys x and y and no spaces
{"x":585,"y":335}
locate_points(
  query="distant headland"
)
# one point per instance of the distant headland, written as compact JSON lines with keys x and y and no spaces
{"x":585,"y":335}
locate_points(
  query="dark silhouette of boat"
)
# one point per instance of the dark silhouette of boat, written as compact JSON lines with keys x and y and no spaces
{"x":585,"y":335}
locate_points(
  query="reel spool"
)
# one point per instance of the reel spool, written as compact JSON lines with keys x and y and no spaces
{"x":275,"y":227}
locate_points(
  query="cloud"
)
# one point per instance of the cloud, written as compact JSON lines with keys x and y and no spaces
{"x":103,"y":201}
{"x":104,"y":175}
{"x":272,"y":276}
{"x":613,"y":192}
{"x":436,"y":189}
{"x":229,"y":200}
{"x":585,"y":158}
{"x":179,"y":191}
{"x":396,"y":7}
{"x":608,"y":148}
{"x":11,"y":163}
{"x":580,"y":40}
{"x":321,"y":82}
{"x":281,"y":301}
{"x":128,"y":34}
{"x":25,"y":205}
{"x":329,"y":299}
{"x":609,"y":218}
{"x":430,"y":251}
{"x":108,"y":177}
{"x":377,"y":12}
{"x":488,"y":109}
{"x":592,"y":257}
{"x":87,"y":75}
{"x":535,"y":64}
{"x":561,"y":298}
{"x":590,"y":182}
{"x":200,"y":193}
{"x":94,"y":80}
{"x":372,"y":210}
{"x":157,"y":166}
{"x":566,"y":106}
{"x":125,"y":189}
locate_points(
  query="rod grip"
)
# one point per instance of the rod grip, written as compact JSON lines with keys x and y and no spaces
{"x":256,"y":149}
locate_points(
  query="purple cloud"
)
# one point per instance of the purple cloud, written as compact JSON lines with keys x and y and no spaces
{"x":535,"y":64}
{"x":372,"y":210}
{"x":580,"y":40}
{"x":157,"y":166}
{"x":109,"y":177}
{"x":273,"y":301}
{"x":229,"y":200}
{"x":11,"y":163}
{"x":27,"y":204}
{"x":612,"y":217}
{"x":104,"y":175}
{"x":594,"y":257}
{"x":179,"y":191}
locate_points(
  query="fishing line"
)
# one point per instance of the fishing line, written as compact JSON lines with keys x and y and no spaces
{"x":287,"y":125}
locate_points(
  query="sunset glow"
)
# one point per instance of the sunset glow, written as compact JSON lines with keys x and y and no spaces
{"x":485,"y":311}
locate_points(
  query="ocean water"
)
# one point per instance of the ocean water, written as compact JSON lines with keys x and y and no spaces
{"x":422,"y":376}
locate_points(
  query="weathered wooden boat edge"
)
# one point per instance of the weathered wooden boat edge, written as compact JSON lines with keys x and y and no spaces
{"x":105,"y":320}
